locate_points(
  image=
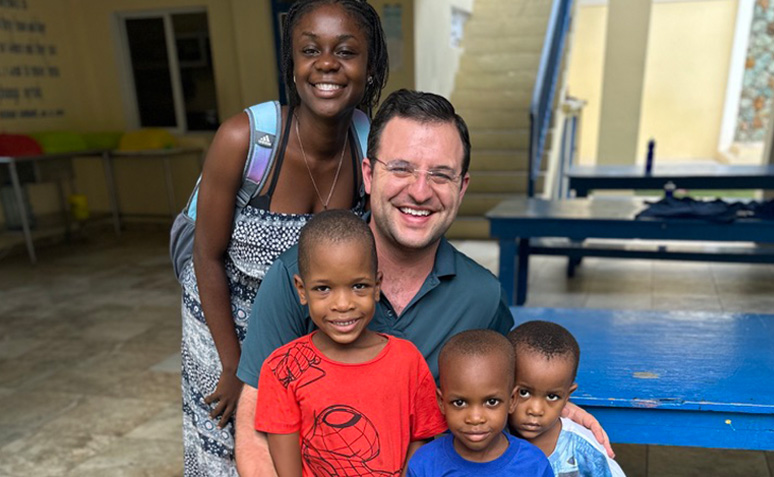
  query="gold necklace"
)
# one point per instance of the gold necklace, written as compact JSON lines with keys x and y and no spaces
{"x":309,"y":169}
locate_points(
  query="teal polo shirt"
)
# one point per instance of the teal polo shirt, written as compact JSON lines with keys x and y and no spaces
{"x":457,"y":295}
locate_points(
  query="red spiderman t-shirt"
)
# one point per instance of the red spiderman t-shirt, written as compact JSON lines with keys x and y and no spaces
{"x":352,"y":419}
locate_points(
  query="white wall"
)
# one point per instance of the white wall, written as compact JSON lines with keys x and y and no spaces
{"x":436,"y":60}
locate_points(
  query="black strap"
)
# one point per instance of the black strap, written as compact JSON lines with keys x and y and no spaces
{"x":263,"y":201}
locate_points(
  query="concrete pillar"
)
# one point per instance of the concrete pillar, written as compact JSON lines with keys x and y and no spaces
{"x":623,"y":77}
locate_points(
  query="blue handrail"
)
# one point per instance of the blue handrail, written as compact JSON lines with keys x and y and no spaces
{"x":545,"y":86}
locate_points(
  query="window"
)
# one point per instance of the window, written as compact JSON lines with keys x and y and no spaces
{"x":169,"y":65}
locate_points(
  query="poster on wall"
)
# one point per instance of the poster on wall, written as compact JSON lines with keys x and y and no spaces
{"x":392,"y":18}
{"x":28,"y":64}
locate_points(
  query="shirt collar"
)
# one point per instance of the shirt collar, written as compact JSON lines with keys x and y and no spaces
{"x":444,"y":265}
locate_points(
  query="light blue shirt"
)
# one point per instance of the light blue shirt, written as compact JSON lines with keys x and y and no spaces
{"x":578,"y":454}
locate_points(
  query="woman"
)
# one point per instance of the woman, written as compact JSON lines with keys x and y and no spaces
{"x":334,"y":59}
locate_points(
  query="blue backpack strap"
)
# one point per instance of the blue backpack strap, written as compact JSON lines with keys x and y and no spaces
{"x":260,"y":155}
{"x":264,"y":119}
{"x":361,"y":124}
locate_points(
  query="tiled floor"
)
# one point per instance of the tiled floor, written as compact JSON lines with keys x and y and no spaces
{"x":89,"y":362}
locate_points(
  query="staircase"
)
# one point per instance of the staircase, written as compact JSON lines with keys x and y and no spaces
{"x":493,"y":89}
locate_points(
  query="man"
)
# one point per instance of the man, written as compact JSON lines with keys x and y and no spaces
{"x":416,"y":175}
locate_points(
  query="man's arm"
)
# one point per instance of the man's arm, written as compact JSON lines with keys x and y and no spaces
{"x":276,"y":318}
{"x":251,"y":447}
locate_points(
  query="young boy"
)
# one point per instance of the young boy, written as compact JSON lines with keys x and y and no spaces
{"x":476,"y":395}
{"x":547,"y":357}
{"x":344,"y":400}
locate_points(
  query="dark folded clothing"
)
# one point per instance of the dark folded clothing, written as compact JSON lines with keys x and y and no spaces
{"x":717,"y":210}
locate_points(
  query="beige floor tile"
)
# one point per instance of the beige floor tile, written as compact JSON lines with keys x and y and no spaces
{"x":619,"y":301}
{"x":677,"y":301}
{"x":33,"y":409}
{"x":108,"y":416}
{"x":165,"y":425}
{"x":694,"y":462}
{"x":14,"y":348}
{"x":45,"y":453}
{"x":556,"y":300}
{"x":129,"y":457}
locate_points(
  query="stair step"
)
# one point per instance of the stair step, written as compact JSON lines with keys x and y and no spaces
{"x":510,"y":99}
{"x":499,"y":160}
{"x":471,"y":228}
{"x":499,"y":62}
{"x":487,"y":81}
{"x":498,"y":181}
{"x":517,"y":8}
{"x":505,"y":26}
{"x":481,"y":118}
{"x":478,"y":204}
{"x":492,"y":44}
{"x":501,"y":138}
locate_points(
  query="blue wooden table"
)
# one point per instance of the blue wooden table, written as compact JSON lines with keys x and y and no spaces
{"x":517,"y":222}
{"x":584,"y":179}
{"x":673,"y":378}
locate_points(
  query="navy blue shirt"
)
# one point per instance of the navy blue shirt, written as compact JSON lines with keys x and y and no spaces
{"x":457,"y":295}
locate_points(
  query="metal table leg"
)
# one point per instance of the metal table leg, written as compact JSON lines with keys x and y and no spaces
{"x":522,"y":277}
{"x":507,"y":270}
{"x":23,"y":210}
{"x":170,"y":187}
{"x":110,"y":182}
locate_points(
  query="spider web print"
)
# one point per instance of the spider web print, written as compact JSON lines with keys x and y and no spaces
{"x":299,"y":359}
{"x":341,"y":443}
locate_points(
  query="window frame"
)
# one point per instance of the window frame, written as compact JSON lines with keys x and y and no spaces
{"x":128,"y":90}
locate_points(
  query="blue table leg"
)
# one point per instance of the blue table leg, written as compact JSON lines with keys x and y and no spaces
{"x":507,"y":269}
{"x":522,"y":272}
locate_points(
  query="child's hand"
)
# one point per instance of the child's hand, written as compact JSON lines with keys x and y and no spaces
{"x":226,"y":394}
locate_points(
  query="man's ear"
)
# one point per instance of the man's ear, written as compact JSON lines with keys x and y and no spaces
{"x":439,"y":397}
{"x":464,"y":185}
{"x":368,"y":174}
{"x":299,"y":283}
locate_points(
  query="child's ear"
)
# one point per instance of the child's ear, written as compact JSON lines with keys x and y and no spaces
{"x":300,"y":289}
{"x":572,"y":389}
{"x":378,"y":286}
{"x":439,"y":397}
{"x":514,"y":400}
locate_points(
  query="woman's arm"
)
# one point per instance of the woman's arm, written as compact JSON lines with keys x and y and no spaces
{"x":286,"y":453}
{"x":221,"y":179}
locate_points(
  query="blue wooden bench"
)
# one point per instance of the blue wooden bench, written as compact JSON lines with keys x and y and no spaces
{"x":583,"y":179}
{"x":521,"y":226}
{"x":673,"y":378}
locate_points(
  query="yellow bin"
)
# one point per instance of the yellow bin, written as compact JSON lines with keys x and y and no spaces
{"x":79,"y":206}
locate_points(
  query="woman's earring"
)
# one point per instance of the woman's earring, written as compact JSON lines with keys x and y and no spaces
{"x":370,"y":80}
{"x":294,"y":79}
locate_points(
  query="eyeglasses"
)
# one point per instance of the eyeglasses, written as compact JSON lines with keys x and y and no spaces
{"x":403,"y":170}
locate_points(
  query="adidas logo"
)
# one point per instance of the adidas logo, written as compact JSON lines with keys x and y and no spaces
{"x":265,"y":141}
